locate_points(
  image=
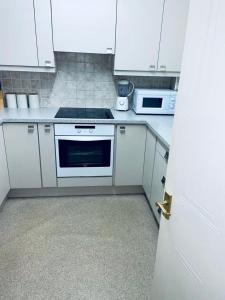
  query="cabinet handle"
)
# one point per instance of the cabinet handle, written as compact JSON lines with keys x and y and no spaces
{"x":47,"y":128}
{"x":48,"y":63}
{"x":166,"y":156}
{"x":30,"y":128}
{"x":163,"y":67}
{"x":152,"y":67}
{"x":109,"y":50}
{"x":163,"y":180}
{"x":122,"y":129}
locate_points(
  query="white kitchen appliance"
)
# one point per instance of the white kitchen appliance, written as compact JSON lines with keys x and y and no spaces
{"x":124,"y":89}
{"x":154,"y":101}
{"x":84,"y":150}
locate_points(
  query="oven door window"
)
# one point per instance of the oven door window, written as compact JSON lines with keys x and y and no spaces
{"x":83,"y":154}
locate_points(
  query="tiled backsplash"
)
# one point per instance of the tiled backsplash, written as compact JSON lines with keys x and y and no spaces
{"x":82,"y":80}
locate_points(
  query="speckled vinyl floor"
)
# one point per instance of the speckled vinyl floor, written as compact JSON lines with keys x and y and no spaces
{"x":99,"y":247}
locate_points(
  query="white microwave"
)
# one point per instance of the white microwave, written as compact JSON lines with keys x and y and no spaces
{"x":154,"y":101}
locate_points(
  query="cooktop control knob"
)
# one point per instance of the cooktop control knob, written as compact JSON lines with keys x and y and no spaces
{"x":171,"y":105}
{"x":90,"y":130}
{"x":79,"y":131}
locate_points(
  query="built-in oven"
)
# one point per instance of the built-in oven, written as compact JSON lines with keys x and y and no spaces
{"x":84,"y":150}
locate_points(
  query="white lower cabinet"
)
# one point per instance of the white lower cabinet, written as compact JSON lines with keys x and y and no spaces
{"x":149,"y":163}
{"x":158,"y":178}
{"x":4,"y":176}
{"x":47,"y":155}
{"x":22,"y":149}
{"x":130,"y":149}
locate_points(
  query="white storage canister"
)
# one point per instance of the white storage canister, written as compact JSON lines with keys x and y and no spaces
{"x":22,"y":101}
{"x":11,"y":101}
{"x":34,"y":101}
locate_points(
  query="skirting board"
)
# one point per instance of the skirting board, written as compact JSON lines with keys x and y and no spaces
{"x":75,"y":191}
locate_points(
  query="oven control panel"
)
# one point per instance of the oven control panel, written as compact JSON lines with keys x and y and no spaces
{"x":84,"y":129}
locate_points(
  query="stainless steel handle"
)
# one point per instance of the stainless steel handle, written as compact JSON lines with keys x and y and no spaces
{"x":163,"y":67}
{"x":166,"y":156}
{"x":47,"y":128}
{"x":109,"y":50}
{"x":30,"y":128}
{"x":152,"y":67}
{"x":122,"y":129}
{"x":163,"y":180}
{"x":48,"y":63}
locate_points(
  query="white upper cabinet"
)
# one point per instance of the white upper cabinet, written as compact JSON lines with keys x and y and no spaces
{"x":86,"y":26}
{"x":173,"y":35}
{"x":26,"y":33}
{"x":138,"y":34}
{"x":150,"y":36}
{"x":44,"y":33}
{"x":18,"y":37}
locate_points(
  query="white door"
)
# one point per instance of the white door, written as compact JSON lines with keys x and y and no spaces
{"x":173,"y":34}
{"x":84,"y":25}
{"x":130,"y":151}
{"x":4,"y":175}
{"x":47,"y":154}
{"x":158,"y":182}
{"x":138,"y":34}
{"x":190,"y":263}
{"x":17,"y":32}
{"x":149,"y":163}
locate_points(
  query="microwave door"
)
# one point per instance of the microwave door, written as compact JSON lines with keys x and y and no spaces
{"x":152,"y":102}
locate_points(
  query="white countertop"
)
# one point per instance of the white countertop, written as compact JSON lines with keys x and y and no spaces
{"x":161,"y":126}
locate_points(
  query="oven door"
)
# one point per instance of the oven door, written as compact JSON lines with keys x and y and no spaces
{"x":79,"y":156}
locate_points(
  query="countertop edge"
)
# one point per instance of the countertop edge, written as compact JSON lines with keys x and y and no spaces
{"x":89,"y":121}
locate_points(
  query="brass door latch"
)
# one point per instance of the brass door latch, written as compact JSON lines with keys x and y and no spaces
{"x":165,"y":206}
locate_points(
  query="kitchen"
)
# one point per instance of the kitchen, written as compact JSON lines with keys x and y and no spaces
{"x":88,"y":97}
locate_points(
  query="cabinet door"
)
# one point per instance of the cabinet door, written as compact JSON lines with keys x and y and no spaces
{"x":18,"y":47}
{"x":47,"y":153}
{"x":138,"y":34}
{"x":149,"y":163}
{"x":173,"y":35}
{"x":158,"y":182}
{"x":84,"y":25}
{"x":4,"y":176}
{"x":43,"y":20}
{"x":130,"y":148}
{"x":22,"y":150}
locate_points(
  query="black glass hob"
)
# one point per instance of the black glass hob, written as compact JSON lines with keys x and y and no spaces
{"x":84,"y":113}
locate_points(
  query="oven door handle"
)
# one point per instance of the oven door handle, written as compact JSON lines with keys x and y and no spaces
{"x":84,"y":138}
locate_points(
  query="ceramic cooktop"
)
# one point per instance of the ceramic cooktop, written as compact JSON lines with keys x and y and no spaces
{"x":84,"y":113}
